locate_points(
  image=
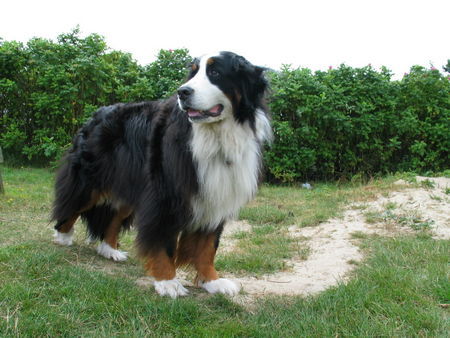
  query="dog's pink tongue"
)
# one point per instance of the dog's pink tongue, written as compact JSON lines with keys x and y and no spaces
{"x":194,"y":113}
{"x":215,"y":109}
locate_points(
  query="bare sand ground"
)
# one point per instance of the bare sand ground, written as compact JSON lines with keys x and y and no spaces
{"x":334,"y":249}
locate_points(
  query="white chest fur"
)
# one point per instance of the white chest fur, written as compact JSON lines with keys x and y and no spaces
{"x":227,"y":155}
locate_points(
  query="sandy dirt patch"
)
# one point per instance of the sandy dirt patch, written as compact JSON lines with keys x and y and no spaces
{"x":334,"y":250}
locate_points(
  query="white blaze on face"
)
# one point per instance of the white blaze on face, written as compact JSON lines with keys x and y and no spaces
{"x":206,"y":96}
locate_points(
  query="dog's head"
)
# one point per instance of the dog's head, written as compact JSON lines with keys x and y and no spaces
{"x":221,"y":86}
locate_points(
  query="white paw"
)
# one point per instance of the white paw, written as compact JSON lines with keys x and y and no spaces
{"x":62,"y":238}
{"x":221,"y":285}
{"x":105,"y":250}
{"x":171,"y":288}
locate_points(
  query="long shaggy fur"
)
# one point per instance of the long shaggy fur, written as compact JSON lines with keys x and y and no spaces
{"x":178,"y":169}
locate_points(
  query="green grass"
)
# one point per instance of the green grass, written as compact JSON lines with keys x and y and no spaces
{"x":395,"y":293}
{"x":427,"y":184}
{"x":263,"y":250}
{"x":390,"y":218}
{"x":48,"y":290}
{"x":268,"y":245}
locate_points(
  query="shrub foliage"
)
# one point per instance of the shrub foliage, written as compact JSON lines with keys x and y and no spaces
{"x":48,"y":89}
{"x":349,"y":121}
{"x":328,"y":124}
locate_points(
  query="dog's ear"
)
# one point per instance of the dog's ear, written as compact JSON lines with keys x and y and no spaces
{"x":259,"y":70}
{"x":261,"y":81}
{"x":192,"y":68}
{"x":254,"y":74}
{"x":253,"y":86}
{"x":241,"y":65}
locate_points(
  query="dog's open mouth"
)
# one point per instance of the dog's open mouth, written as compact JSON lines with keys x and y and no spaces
{"x":199,"y":114}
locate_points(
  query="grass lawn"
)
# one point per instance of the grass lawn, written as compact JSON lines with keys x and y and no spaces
{"x":48,"y":290}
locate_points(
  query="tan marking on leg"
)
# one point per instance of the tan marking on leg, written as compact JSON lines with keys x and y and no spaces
{"x":204,"y":260}
{"x":67,"y":227}
{"x":187,"y":248}
{"x":160,"y":266}
{"x":198,"y":250}
{"x":112,"y":232}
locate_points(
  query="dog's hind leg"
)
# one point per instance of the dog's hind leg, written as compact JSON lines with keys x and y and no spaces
{"x":108,"y":248}
{"x":64,"y":231}
{"x":64,"y":227}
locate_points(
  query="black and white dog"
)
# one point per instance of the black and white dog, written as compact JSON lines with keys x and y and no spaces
{"x":178,"y":169}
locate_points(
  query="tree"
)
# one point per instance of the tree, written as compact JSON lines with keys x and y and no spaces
{"x":168,"y":72}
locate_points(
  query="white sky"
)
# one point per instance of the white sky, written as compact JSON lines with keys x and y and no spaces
{"x":314,"y":34}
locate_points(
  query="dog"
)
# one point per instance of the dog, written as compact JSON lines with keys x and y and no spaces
{"x":177,"y":169}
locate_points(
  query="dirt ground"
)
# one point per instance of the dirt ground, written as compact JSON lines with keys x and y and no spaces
{"x":333,"y":245}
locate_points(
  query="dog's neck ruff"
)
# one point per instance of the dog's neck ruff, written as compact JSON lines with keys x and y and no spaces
{"x":228,"y":158}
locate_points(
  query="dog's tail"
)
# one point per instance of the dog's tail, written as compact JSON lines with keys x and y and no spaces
{"x":98,"y":219}
{"x":71,"y":193}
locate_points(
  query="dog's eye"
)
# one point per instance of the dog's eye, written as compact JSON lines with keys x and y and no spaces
{"x":214,"y":73}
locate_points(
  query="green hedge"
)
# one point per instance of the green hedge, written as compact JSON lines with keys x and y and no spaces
{"x":349,"y":121}
{"x":48,"y":89}
{"x":327,"y":125}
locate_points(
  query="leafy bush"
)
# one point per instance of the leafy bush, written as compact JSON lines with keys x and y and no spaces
{"x":328,"y":124}
{"x":168,"y":72}
{"x":349,"y":121}
{"x":423,"y":123}
{"x":48,"y":89}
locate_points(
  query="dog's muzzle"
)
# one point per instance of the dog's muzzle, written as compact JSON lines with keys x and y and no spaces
{"x":185,"y":94}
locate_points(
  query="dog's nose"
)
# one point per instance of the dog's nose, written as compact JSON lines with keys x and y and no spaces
{"x":185,"y":92}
